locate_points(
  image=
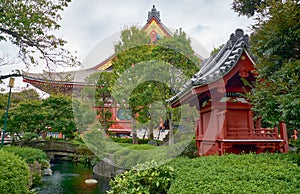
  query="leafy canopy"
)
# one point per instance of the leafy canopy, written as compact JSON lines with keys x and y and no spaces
{"x":133,"y":50}
{"x":276,"y":43}
{"x":36,"y":116}
{"x":30,"y":25}
{"x":250,"y":7}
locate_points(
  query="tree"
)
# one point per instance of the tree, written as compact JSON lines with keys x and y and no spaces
{"x":60,"y":114}
{"x":37,"y":116}
{"x":276,"y":43}
{"x":16,"y":99}
{"x":250,"y":7}
{"x":84,"y":115}
{"x":30,"y":25}
{"x":104,"y":102}
{"x":28,"y":117}
{"x":131,"y":37}
{"x":173,"y":53}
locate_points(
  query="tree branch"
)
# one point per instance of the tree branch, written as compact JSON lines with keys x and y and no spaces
{"x":10,"y":75}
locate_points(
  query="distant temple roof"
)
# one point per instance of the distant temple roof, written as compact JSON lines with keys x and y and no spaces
{"x":154,"y":28}
{"x":218,"y":65}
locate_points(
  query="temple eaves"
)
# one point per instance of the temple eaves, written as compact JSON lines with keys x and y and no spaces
{"x":218,"y":65}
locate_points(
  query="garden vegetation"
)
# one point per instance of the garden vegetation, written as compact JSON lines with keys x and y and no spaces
{"x":246,"y":173}
{"x":14,"y":174}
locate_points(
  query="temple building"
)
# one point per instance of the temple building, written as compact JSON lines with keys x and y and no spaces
{"x":226,"y":123}
{"x":65,"y":82}
{"x":72,"y":81}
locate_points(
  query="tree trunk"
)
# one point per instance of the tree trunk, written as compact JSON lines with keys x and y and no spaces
{"x":151,"y":136}
{"x":134,"y":135}
{"x":171,"y":135}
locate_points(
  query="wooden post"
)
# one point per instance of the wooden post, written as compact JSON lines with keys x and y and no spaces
{"x":258,"y":124}
{"x":250,"y":123}
{"x":276,"y":132}
{"x":284,"y":137}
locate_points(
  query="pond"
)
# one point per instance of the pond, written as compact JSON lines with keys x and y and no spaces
{"x":68,"y":178}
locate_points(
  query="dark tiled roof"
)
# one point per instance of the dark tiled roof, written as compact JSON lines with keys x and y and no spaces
{"x":217,"y":65}
{"x":69,"y":77}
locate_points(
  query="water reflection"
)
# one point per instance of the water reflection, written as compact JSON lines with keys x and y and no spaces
{"x":68,"y":178}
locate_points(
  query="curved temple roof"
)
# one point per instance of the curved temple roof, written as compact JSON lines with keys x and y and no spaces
{"x":218,"y":65}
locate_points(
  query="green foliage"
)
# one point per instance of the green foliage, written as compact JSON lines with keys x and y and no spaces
{"x":36,"y":116}
{"x":84,"y":155}
{"x":103,"y":99}
{"x":36,"y":159}
{"x":156,"y":71}
{"x":29,"y":25}
{"x":127,"y":155}
{"x":216,"y":49}
{"x":263,"y":173}
{"x":29,"y":155}
{"x":191,"y":150}
{"x":147,"y":178}
{"x":276,"y":42}
{"x":60,"y":112}
{"x":131,"y":37}
{"x":277,"y":98}
{"x":295,"y":144}
{"x":14,"y":174}
{"x":276,"y":36}
{"x":84,"y":115}
{"x":24,"y":95}
{"x":246,"y":7}
{"x":15,"y":99}
{"x":28,"y":116}
{"x":129,"y":140}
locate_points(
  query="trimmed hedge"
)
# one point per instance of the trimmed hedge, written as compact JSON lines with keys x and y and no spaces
{"x":14,"y":174}
{"x":263,"y":173}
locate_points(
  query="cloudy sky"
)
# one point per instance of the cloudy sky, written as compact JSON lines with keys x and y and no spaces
{"x":90,"y":24}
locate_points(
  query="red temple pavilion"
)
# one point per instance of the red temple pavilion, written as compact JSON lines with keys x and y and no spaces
{"x":226,"y":122}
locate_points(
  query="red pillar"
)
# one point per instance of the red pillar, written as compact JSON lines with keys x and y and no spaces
{"x":284,"y":137}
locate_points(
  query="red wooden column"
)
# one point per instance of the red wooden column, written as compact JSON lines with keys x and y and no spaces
{"x":250,"y":123}
{"x":284,"y":137}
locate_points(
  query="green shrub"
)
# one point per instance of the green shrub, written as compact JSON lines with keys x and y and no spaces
{"x":36,"y":159}
{"x":129,"y":140}
{"x":263,"y":173}
{"x":30,"y":155}
{"x":131,"y":155}
{"x":14,"y":174}
{"x":145,"y":178}
{"x":190,"y":150}
{"x":141,"y":147}
{"x":295,"y":157}
{"x":295,"y":144}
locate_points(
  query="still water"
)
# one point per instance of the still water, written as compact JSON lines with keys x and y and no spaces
{"x":68,"y":178}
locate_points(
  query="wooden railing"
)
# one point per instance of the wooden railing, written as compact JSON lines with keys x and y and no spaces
{"x":262,"y":133}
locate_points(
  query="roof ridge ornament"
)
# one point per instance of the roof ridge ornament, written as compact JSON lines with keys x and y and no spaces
{"x":234,"y":37}
{"x":153,"y":13}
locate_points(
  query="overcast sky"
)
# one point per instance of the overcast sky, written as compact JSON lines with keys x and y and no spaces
{"x":86,"y":24}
